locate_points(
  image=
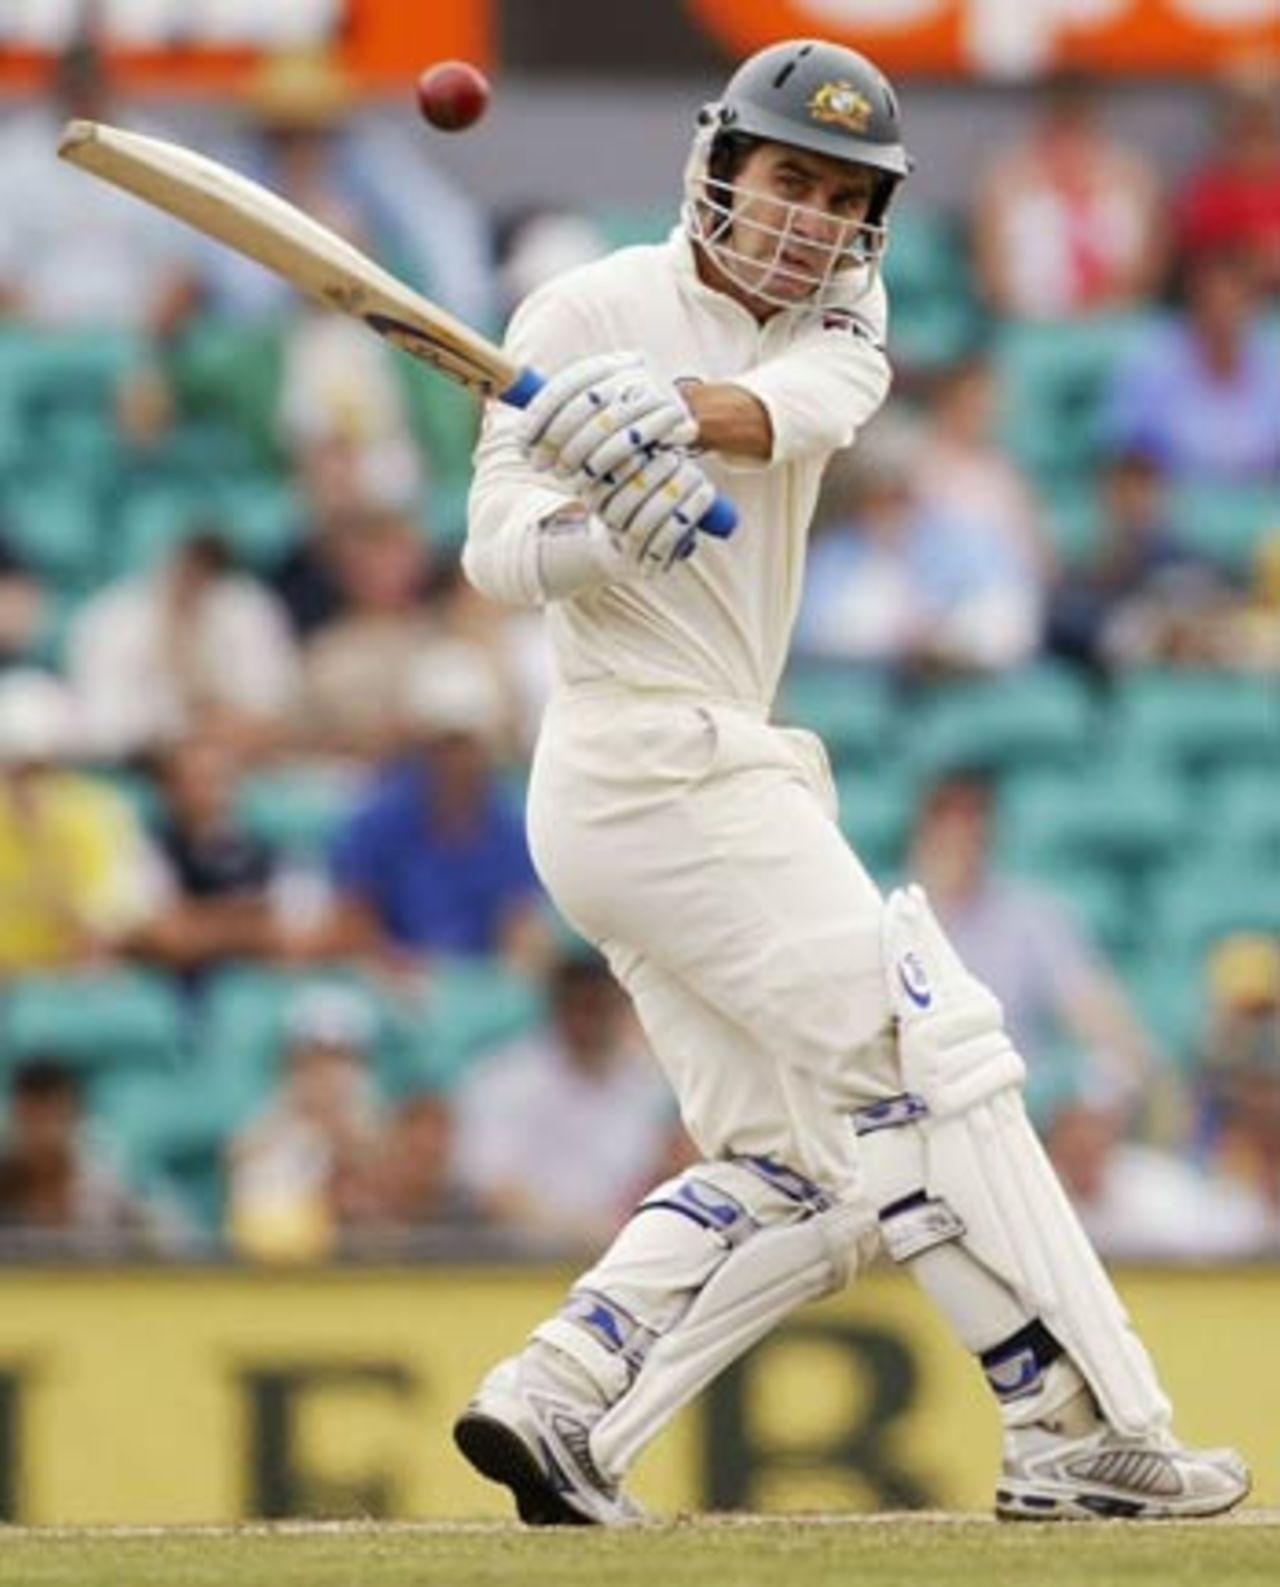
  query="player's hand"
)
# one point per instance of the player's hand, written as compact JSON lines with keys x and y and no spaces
{"x":652,"y":515}
{"x":601,"y":417}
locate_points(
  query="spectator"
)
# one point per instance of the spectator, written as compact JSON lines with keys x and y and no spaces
{"x":352,"y":669}
{"x":435,"y":861}
{"x":1201,"y":392}
{"x":195,"y":644}
{"x":1140,"y":1201}
{"x":336,"y":487}
{"x":221,"y":875}
{"x":417,"y":1187}
{"x":1232,"y":201}
{"x":1068,"y":222}
{"x":1239,"y":1128}
{"x":1253,"y":636}
{"x":1143,"y":596}
{"x":303,"y":1175}
{"x":59,"y":1192}
{"x":1017,"y":937}
{"x":74,"y":254}
{"x":300,"y":132}
{"x":302,"y":136}
{"x":905,"y":578}
{"x":559,"y":1134}
{"x":535,"y":243}
{"x":78,"y":880}
{"x":963,"y":467}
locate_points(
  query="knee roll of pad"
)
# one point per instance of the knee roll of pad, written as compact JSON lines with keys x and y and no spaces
{"x":708,"y":1263}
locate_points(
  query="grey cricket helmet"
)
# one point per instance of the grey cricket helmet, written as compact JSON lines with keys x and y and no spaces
{"x":807,"y":94}
{"x":819,"y":96}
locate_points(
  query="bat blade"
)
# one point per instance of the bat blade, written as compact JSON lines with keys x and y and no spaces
{"x":252,"y":220}
{"x":249,"y":218}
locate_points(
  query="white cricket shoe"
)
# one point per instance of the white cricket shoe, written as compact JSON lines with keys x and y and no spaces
{"x":524,"y":1431}
{"x":1104,"y":1474}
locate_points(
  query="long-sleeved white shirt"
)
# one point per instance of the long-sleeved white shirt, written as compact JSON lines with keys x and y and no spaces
{"x":718,"y":624}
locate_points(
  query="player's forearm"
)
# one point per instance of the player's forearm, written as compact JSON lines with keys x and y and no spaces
{"x":730,"y":419}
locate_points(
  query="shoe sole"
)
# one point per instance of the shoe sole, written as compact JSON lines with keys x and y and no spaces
{"x":503,"y":1457}
{"x":1012,"y":1505}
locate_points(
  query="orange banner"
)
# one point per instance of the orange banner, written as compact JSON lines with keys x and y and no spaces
{"x":1011,"y":38}
{"x":205,"y":46}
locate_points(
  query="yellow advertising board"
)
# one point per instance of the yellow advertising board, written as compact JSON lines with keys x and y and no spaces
{"x":203,"y":1396}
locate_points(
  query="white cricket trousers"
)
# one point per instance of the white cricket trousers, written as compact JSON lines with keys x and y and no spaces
{"x":697,"y":847}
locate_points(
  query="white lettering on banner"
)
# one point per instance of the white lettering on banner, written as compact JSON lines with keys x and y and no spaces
{"x":53,"y":24}
{"x":851,"y":14}
{"x":1234,"y":12}
{"x":1014,"y":38}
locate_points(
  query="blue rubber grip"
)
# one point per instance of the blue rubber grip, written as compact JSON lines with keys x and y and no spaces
{"x":720,"y":519}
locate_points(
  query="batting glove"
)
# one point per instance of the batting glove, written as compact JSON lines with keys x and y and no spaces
{"x":653,"y":513}
{"x":603,"y":416}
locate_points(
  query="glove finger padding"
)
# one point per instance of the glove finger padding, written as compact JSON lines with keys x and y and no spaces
{"x":655,"y":512}
{"x":667,"y":525}
{"x":617,"y":458}
{"x":599,"y":372}
{"x":588,"y":423}
{"x":618,"y":504}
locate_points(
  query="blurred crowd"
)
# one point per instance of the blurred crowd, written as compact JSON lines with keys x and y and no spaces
{"x":278,"y":976}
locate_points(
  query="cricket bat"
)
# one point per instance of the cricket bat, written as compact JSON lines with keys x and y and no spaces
{"x":260,"y":224}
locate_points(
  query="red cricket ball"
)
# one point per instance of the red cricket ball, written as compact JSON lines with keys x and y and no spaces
{"x":453,"y":95}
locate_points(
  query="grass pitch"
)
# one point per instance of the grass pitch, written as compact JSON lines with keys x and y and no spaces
{"x":892,"y":1551}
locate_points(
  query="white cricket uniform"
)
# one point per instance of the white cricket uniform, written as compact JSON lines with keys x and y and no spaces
{"x":692,"y":841}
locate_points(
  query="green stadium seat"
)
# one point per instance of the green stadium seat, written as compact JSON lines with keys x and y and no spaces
{"x":1168,"y":993}
{"x":1053,"y":378}
{"x":259,"y":515}
{"x":229,"y":376}
{"x":151,"y":520}
{"x":1099,"y":900}
{"x":444,"y":418}
{"x":169,"y":1136}
{"x":296,"y":810}
{"x":245,"y":1029}
{"x":851,"y":710}
{"x":1226,"y":522}
{"x":1126,"y":813}
{"x":45,"y":373}
{"x":110,"y":1018}
{"x":1198,"y":720}
{"x":877,"y":811}
{"x":54,"y":523}
{"x":1074,"y":519}
{"x":1042,"y":715}
{"x":473,"y":1006}
{"x":83,"y":443}
{"x":256,"y":515}
{"x":1241,"y":808}
{"x":1193,"y":905}
{"x":935,"y":318}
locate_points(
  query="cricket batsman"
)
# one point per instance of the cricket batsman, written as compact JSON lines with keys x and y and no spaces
{"x":848,"y":1083}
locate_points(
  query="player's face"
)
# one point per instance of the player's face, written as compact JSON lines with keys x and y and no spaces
{"x":797,"y":216}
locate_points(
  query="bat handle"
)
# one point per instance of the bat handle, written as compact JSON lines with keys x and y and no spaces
{"x":720,"y":519}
